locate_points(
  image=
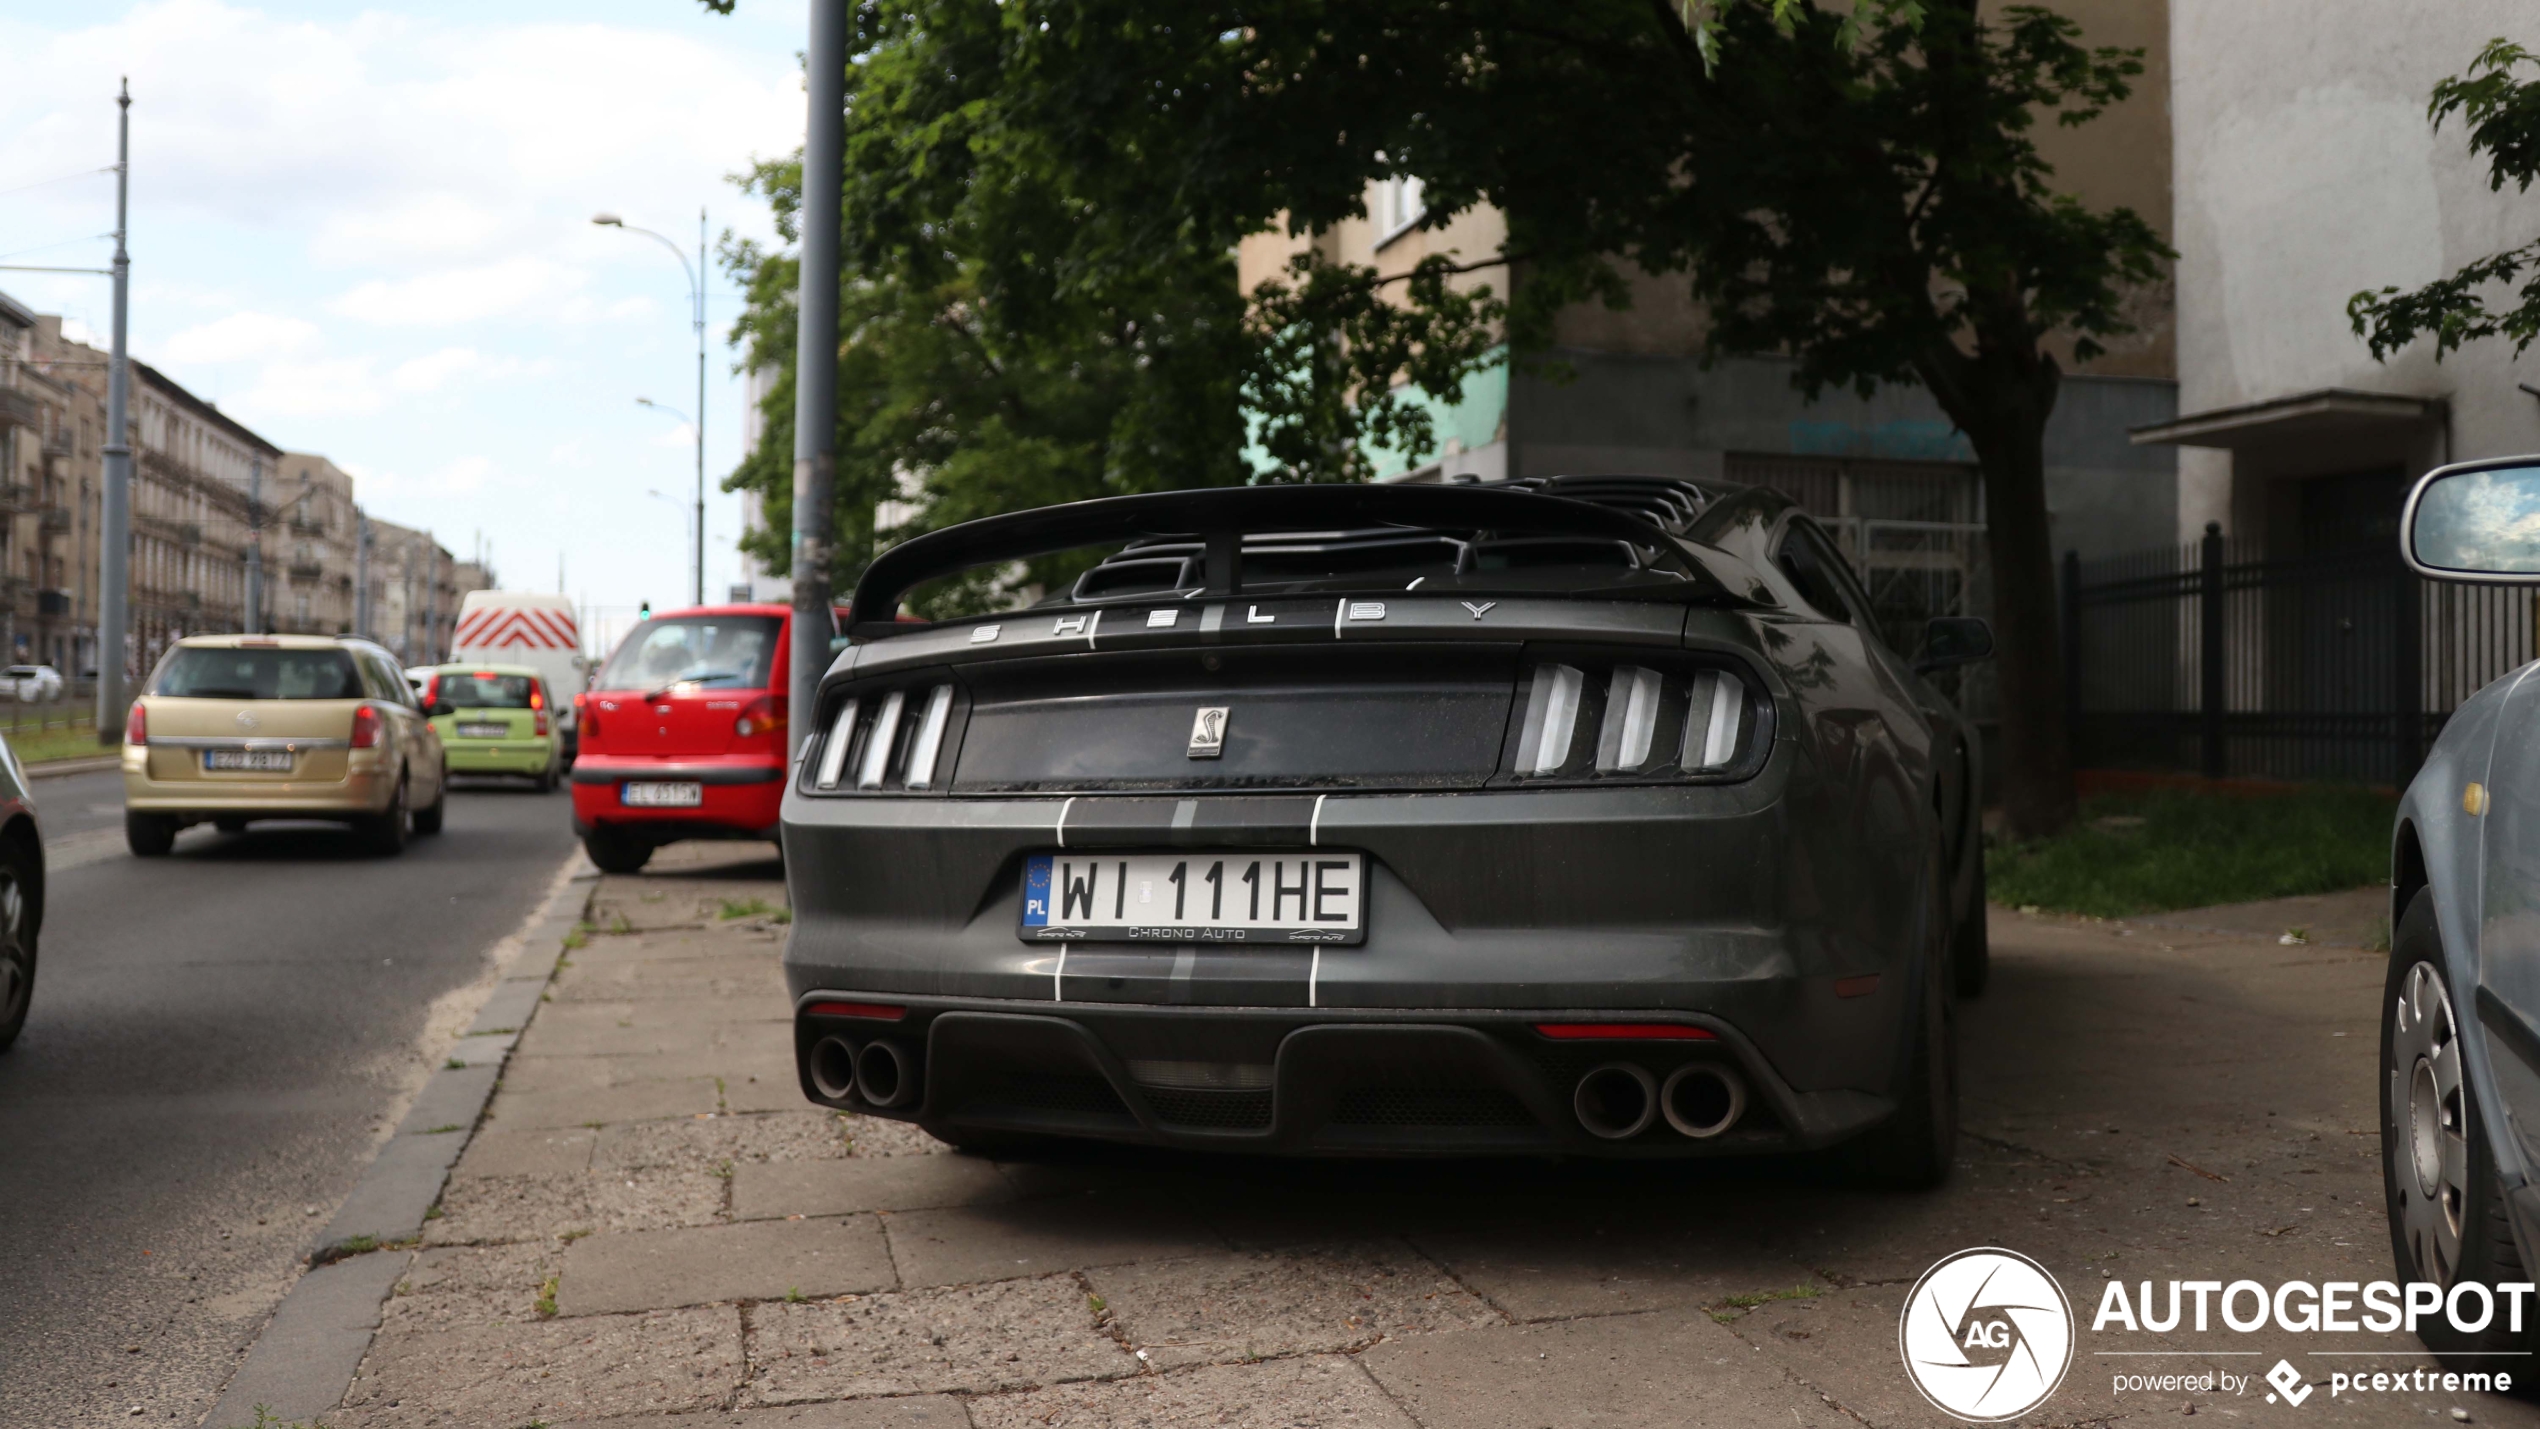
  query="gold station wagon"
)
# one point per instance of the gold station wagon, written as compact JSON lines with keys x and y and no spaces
{"x":233,"y":728}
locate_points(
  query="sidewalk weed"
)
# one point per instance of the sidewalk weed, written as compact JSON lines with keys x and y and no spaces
{"x":580,"y":936}
{"x":547,"y":1298}
{"x":1734,"y":1307}
{"x":745,"y":908}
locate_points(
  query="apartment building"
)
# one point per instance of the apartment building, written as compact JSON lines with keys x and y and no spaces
{"x":311,"y":525}
{"x":51,"y":432}
{"x":1890,"y":472}
{"x":415,"y":590}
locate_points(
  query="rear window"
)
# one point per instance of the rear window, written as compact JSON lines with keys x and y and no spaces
{"x":484,"y":692}
{"x":200,"y":673}
{"x":726,"y":651}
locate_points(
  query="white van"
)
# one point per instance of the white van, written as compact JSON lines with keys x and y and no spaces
{"x":522,"y":628}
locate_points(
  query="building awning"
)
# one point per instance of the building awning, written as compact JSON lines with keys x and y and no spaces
{"x":2329,"y":413}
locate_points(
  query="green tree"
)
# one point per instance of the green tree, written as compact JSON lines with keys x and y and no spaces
{"x":2503,"y":114}
{"x":1857,"y":189}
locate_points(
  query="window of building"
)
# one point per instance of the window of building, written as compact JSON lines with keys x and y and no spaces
{"x":1397,"y":207}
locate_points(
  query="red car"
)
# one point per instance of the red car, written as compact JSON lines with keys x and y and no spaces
{"x":683,"y":734}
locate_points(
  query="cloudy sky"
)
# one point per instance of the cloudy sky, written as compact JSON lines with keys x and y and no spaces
{"x":365,"y":231}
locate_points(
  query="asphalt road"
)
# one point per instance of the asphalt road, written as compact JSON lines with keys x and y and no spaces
{"x":216,"y":1043}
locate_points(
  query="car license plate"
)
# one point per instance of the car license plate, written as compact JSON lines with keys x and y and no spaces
{"x":663,"y":796}
{"x":484,"y":731}
{"x":1300,"y":896}
{"x":253,"y":761}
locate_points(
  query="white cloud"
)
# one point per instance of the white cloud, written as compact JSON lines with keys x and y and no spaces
{"x":433,"y":370}
{"x":514,"y":287}
{"x":320,"y":387}
{"x":241,"y":336}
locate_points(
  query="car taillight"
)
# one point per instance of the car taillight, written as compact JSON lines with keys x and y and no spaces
{"x":136,"y":727}
{"x":765,"y":715}
{"x":541,"y":721}
{"x":886,"y":740}
{"x":431,"y":693}
{"x":586,"y":717}
{"x":1595,"y":719}
{"x":365,"y":728}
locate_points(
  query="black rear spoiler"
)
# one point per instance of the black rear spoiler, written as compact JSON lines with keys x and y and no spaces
{"x":1221,"y":517}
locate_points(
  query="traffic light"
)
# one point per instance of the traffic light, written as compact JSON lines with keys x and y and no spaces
{"x":645,"y":611}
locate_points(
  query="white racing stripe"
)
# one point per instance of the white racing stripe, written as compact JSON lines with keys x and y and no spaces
{"x":1314,"y":829}
{"x":1058,"y":978}
{"x":1313,"y":977}
{"x":1062,"y":821}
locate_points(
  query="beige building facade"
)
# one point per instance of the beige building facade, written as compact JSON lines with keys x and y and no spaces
{"x":311,"y":525}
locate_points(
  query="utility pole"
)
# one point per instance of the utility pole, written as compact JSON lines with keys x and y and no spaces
{"x":701,"y":404}
{"x":255,"y":622}
{"x":114,"y":532}
{"x":816,"y":364}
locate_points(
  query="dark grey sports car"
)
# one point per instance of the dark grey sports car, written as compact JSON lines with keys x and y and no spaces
{"x":1558,"y":815}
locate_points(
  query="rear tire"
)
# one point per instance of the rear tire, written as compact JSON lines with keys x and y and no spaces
{"x":1913,"y":1149}
{"x":616,"y":851}
{"x":428,"y":820}
{"x":20,"y":875}
{"x":385,"y":834}
{"x":149,"y":835}
{"x":1971,"y":951}
{"x":2432,"y":1131}
{"x":547,"y":779}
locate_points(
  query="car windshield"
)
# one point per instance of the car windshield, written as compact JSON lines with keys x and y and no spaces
{"x":477,"y":690}
{"x":731,"y":652}
{"x":211,"y":673}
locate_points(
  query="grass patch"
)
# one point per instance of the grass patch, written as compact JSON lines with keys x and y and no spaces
{"x":547,"y":1298}
{"x":39,"y":746}
{"x":2179,"y":848}
{"x":745,"y":908}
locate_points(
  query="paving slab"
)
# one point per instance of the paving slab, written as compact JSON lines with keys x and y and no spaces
{"x":978,"y":1339}
{"x":760,"y":1260}
{"x":450,"y":1286}
{"x":1662,"y":1369}
{"x":967,"y":1244}
{"x":765,"y":1190}
{"x":480,"y":1210}
{"x":299,"y":1365}
{"x":1321,"y":1392}
{"x":528,"y":1151}
{"x":1570,"y":1266}
{"x":1236,"y":1306}
{"x":709,"y":1143}
{"x":930,"y":1411}
{"x":593,"y":1105}
{"x":483,"y":1376}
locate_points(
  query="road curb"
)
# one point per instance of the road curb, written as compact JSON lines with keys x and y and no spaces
{"x":305,"y":1359}
{"x":63,"y":768}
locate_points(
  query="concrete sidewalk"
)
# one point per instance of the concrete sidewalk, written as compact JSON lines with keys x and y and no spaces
{"x":653,"y":1231}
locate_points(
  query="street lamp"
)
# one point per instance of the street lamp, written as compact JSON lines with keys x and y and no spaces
{"x":697,"y":305}
{"x":675,"y":501}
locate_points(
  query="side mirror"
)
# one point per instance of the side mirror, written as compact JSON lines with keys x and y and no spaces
{"x":2475,"y":521}
{"x":1953,"y":640}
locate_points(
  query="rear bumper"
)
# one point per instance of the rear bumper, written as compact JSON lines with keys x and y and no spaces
{"x":1313,"y":1081}
{"x":740,"y":798}
{"x":508,"y":757}
{"x":365,"y":789}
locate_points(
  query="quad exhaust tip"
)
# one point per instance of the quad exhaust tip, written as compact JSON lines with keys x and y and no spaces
{"x":1616,"y":1101}
{"x":1701,"y":1101}
{"x":832,"y":1068}
{"x":885,"y":1074}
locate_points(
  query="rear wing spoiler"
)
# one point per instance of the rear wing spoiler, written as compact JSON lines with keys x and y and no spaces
{"x":1222,"y":516}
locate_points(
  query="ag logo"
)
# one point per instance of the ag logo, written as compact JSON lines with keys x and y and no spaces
{"x":1986,"y":1335}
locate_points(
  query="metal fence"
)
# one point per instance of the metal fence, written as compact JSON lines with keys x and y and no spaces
{"x":2213,"y":658}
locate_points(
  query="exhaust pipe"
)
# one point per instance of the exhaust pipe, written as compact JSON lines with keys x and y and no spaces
{"x":1616,"y":1101}
{"x":832,"y":1067}
{"x":1702,"y":1101}
{"x":885,"y":1074}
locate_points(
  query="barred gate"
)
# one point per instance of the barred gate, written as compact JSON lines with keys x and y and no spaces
{"x":2213,"y":658}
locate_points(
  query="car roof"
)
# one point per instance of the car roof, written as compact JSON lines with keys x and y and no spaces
{"x":491,"y":667}
{"x":235,"y":640}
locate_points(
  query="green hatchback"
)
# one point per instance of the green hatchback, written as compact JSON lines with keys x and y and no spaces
{"x":495,"y":719}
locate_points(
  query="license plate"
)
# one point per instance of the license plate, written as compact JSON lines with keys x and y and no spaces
{"x":253,"y":761}
{"x":663,"y":796}
{"x":1302,"y":896}
{"x":484,"y":731}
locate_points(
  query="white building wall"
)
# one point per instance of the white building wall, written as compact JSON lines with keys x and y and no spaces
{"x":2306,"y":170}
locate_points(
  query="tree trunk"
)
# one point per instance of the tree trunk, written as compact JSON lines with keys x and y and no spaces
{"x":2002,"y":407}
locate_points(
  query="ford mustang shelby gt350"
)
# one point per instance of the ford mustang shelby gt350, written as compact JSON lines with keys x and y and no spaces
{"x":1555,"y":815}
